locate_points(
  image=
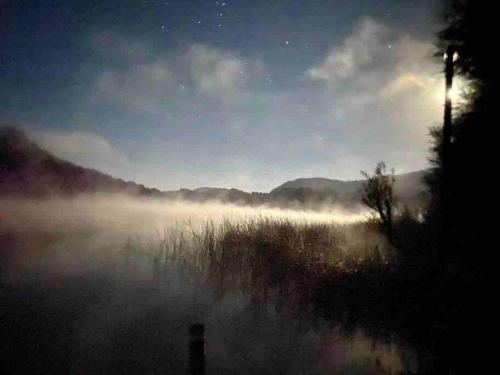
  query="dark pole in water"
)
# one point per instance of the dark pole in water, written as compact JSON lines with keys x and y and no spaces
{"x":197,"y":349}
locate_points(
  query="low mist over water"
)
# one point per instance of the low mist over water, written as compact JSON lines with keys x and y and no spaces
{"x":123,"y":214}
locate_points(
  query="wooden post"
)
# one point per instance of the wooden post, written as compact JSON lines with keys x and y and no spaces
{"x":197,"y":349}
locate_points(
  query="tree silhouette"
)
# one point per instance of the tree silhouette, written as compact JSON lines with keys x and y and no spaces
{"x":461,"y":193}
{"x":459,"y":198}
{"x":377,"y":194}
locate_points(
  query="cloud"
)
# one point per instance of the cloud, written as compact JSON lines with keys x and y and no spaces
{"x":214,"y":71}
{"x":80,"y":147}
{"x":382,"y":90}
{"x":357,"y":52}
{"x":414,"y":68}
{"x":375,"y":62}
{"x":372,"y":97}
{"x":145,"y":88}
{"x":161,"y":84}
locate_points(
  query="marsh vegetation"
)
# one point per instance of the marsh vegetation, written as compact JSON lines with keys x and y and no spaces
{"x":112,"y":283}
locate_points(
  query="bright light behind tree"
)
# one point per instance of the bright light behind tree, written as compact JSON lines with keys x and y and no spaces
{"x":458,"y":93}
{"x":454,"y":94}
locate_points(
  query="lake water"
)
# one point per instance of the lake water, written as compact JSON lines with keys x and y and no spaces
{"x":76,"y":302}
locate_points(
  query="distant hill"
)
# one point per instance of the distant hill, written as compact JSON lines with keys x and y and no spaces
{"x":320,"y":183}
{"x":409,"y":187}
{"x":28,"y":170}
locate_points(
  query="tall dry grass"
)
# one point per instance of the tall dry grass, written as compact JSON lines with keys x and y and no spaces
{"x":268,"y":259}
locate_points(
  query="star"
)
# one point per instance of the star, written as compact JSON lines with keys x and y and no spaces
{"x":287,"y":42}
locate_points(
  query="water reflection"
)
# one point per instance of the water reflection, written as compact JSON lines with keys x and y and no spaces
{"x":95,"y":316}
{"x":80,"y":296}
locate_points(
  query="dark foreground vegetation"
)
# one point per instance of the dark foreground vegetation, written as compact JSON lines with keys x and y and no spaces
{"x":346,"y":274}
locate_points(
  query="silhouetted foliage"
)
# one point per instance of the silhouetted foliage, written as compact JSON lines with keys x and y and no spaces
{"x":377,"y":194}
{"x":461,"y":203}
{"x":468,"y":27}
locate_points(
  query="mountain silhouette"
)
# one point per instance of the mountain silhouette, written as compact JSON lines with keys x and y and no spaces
{"x":29,"y":171}
{"x":407,"y":187}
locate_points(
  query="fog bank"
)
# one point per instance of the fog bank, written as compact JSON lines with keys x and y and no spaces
{"x":123,"y":214}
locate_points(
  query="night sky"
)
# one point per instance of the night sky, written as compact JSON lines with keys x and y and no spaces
{"x":241,"y":93}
